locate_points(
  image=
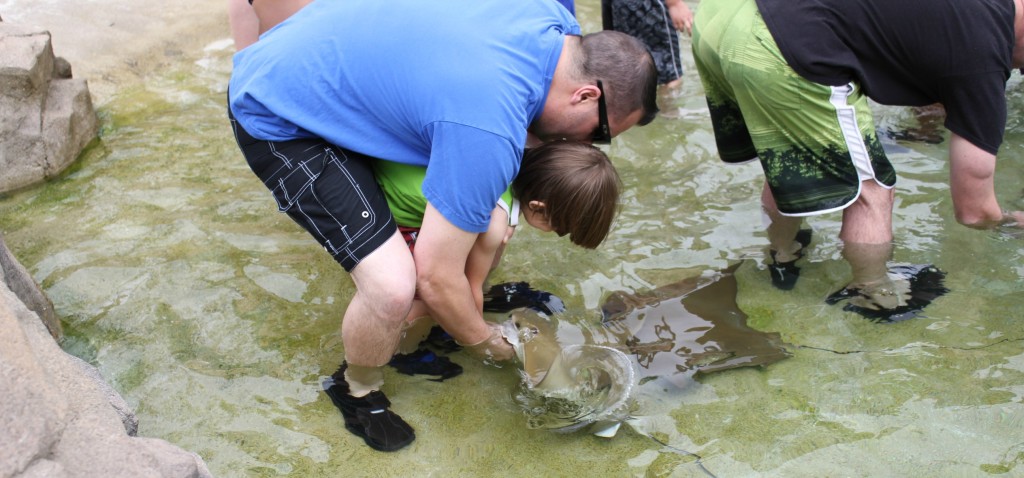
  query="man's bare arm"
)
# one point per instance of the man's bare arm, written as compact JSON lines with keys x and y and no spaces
{"x":442,"y":250}
{"x":972,"y":185}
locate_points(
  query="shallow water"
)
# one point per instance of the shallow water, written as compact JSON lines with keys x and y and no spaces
{"x":216,"y":317}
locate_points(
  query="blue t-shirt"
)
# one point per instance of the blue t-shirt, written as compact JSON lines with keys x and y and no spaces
{"x":450,"y":85}
{"x":569,"y":5}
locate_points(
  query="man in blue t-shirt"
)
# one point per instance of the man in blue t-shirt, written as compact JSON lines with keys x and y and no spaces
{"x":461,"y":87}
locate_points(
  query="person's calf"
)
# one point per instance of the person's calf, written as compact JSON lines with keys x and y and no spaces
{"x":413,"y":334}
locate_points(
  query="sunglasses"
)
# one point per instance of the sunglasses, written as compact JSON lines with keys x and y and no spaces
{"x":603,"y":133}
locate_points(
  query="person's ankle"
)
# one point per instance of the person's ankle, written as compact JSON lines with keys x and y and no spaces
{"x":790,"y":253}
{"x":363,"y":380}
{"x":784,"y":257}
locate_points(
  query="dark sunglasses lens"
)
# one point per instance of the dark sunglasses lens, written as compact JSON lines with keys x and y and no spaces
{"x":603,"y":133}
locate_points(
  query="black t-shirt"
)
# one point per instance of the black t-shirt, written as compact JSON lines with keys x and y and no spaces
{"x":907,"y":52}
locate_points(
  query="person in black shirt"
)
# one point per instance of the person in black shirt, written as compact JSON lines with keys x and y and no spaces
{"x":788,"y":82}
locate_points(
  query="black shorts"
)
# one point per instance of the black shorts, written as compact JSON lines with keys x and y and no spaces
{"x":649,"y":22}
{"x":328,"y":190}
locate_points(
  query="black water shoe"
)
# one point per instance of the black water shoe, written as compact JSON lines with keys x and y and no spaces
{"x":509,"y":296}
{"x":926,"y":283}
{"x":785,"y":274}
{"x":441,"y":341}
{"x":368,"y":417}
{"x":425,"y":362}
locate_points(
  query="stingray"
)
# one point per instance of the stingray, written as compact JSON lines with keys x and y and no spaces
{"x":688,"y":327}
{"x":673,"y":332}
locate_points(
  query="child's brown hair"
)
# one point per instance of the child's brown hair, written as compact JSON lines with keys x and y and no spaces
{"x":578,"y":185}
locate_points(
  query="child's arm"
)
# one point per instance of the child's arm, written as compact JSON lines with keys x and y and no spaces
{"x":501,"y":247}
{"x":483,"y":257}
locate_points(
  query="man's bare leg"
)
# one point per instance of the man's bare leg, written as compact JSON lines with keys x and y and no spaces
{"x":785,"y":249}
{"x":867,"y":234}
{"x":781,"y":229}
{"x":869,"y":219}
{"x":385,"y":286}
{"x":867,"y":246}
{"x":416,"y":329}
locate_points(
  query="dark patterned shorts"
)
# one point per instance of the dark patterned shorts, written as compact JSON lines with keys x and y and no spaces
{"x":329,"y":191}
{"x":648,"y":21}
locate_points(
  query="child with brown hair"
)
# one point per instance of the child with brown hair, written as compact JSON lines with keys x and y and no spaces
{"x":565,"y":187}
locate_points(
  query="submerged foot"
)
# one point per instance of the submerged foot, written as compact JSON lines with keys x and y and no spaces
{"x":508,"y":296}
{"x":368,"y":417}
{"x":441,"y":341}
{"x":425,"y":362}
{"x":785,"y":274}
{"x":909,"y":288}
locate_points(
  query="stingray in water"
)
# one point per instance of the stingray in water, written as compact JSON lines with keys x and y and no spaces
{"x":687,"y":327}
{"x":672,"y":332}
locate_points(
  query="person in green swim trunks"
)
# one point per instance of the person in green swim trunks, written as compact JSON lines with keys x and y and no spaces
{"x":566,"y":187}
{"x":788,"y":82}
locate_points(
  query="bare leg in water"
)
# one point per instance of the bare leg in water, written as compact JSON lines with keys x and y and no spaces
{"x":786,"y":246}
{"x":385,"y":284}
{"x":781,"y":229}
{"x":867,"y":246}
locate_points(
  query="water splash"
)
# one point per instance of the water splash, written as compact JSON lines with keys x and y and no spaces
{"x":584,"y":384}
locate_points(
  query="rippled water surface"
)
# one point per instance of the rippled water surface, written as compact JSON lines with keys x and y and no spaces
{"x":216,"y":317}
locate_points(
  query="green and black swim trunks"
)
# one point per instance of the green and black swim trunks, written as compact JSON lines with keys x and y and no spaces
{"x":815,"y":142}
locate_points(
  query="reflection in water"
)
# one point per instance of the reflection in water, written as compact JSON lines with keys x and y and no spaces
{"x":928,"y":130}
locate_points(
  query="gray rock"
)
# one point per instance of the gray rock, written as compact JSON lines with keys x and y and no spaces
{"x":58,"y":418}
{"x":46,"y":117}
{"x":28,"y":291}
{"x":61,"y":68}
{"x":27,"y":63}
